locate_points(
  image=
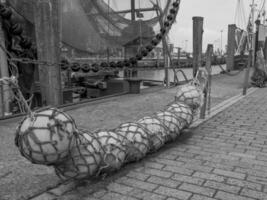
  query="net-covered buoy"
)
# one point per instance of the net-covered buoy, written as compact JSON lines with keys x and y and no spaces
{"x":84,"y":160}
{"x":85,"y":68}
{"x":46,"y":137}
{"x":172,"y":122}
{"x":112,"y":64}
{"x":157,"y":132}
{"x":144,"y":52}
{"x":114,"y":150}
{"x":182,"y":111}
{"x":163,"y":30}
{"x":170,"y":17}
{"x":75,"y":67}
{"x":190,"y":95}
{"x":133,"y":60}
{"x":167,"y":23}
{"x":135,"y":139}
{"x":64,"y":64}
{"x":175,"y":4}
{"x":16,"y":29}
{"x":120,"y":64}
{"x":95,"y":68}
{"x":6,"y":13}
{"x":139,"y":56}
{"x":155,"y":41}
{"x":149,"y":47}
{"x":159,"y":36}
{"x":173,"y":11}
{"x":25,"y":42}
{"x":104,"y":65}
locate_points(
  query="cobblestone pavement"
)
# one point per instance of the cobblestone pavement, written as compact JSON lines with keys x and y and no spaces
{"x":20,"y":180}
{"x":224,"y":159}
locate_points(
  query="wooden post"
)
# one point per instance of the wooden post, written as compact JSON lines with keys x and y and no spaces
{"x":133,"y":10}
{"x":197,"y":43}
{"x":249,"y":65}
{"x":208,"y":84}
{"x":231,"y":47}
{"x":166,"y":61}
{"x":47,"y":30}
{"x":4,"y":90}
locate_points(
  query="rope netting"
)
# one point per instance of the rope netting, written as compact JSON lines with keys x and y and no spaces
{"x":50,"y":137}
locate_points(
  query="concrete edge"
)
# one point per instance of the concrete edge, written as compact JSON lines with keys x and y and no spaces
{"x":222,"y":106}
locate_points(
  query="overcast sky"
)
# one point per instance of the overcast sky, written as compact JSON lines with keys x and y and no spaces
{"x":217,"y":15}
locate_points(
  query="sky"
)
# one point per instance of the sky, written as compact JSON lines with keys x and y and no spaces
{"x":217,"y":15}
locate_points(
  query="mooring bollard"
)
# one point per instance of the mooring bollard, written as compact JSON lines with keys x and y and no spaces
{"x":134,"y":85}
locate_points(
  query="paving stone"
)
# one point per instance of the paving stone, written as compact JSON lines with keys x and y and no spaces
{"x":173,"y":193}
{"x":197,"y":189}
{"x":244,"y":184}
{"x":116,"y":196}
{"x":45,"y":196}
{"x":228,"y":196}
{"x":208,"y":176}
{"x":164,"y":181}
{"x":138,"y":175}
{"x":230,"y":174}
{"x":200,"y":197}
{"x":254,"y":194}
{"x":159,"y":173}
{"x":222,"y":186}
{"x":137,"y":184}
{"x":119,"y":188}
{"x":169,"y":162}
{"x":188,"y":179}
{"x":142,"y":194}
{"x":63,"y":188}
{"x":180,"y":170}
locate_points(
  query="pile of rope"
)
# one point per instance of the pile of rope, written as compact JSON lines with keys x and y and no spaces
{"x":51,"y":137}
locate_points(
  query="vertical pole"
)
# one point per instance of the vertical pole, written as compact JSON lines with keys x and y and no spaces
{"x":5,"y":95}
{"x":133,"y":10}
{"x":208,"y":83}
{"x":178,"y":56}
{"x":258,"y":22}
{"x":250,"y":64}
{"x":221,"y":42}
{"x":197,"y":43}
{"x":47,"y":30}
{"x":231,"y":46}
{"x":166,"y":61}
{"x":251,"y":43}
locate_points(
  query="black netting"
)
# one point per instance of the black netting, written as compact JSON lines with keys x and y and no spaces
{"x":157,"y":131}
{"x":190,"y":95}
{"x":135,"y":139}
{"x":46,"y":137}
{"x":182,"y":111}
{"x":84,"y":160}
{"x":172,"y":122}
{"x":114,"y":150}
